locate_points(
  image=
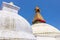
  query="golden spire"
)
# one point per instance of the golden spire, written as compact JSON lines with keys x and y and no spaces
{"x":38,"y":18}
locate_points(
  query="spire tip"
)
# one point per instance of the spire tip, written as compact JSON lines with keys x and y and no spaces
{"x":37,"y":9}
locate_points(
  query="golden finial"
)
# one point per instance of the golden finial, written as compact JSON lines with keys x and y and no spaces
{"x":37,"y":9}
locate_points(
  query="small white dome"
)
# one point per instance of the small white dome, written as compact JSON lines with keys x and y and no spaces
{"x":43,"y":27}
{"x":13,"y":21}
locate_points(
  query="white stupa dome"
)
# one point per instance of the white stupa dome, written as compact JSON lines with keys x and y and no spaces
{"x":11,"y":20}
{"x":43,"y":29}
{"x":12,"y":25}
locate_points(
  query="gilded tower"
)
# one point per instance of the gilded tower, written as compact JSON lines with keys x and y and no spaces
{"x":38,"y":18}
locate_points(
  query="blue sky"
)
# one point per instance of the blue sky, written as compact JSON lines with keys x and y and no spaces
{"x":50,"y":10}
